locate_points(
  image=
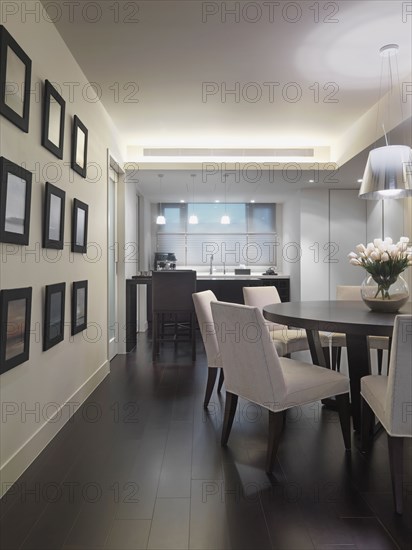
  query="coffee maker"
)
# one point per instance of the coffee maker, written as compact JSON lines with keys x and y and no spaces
{"x":164,"y":261}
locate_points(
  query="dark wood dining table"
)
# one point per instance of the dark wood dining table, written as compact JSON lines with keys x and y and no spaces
{"x":351,"y":318}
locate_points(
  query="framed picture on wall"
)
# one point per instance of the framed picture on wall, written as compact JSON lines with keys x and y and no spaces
{"x":15,"y":315}
{"x":79,"y":147}
{"x":15,"y":81}
{"x":79,"y":307}
{"x":54,"y":109}
{"x":15,"y":199}
{"x":54,"y":315}
{"x":79,"y":226}
{"x":53,"y":220}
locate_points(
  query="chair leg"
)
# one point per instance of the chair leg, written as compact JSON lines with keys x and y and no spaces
{"x":230,"y":409}
{"x":343,"y":404}
{"x":327,"y":356}
{"x":193,"y":335}
{"x":154,"y":335}
{"x":211,"y":377}
{"x":338,"y":357}
{"x":368,"y":419}
{"x":380,"y":360}
{"x":221,"y":379}
{"x":276,"y":423}
{"x":395,"y":446}
{"x":335,"y":350}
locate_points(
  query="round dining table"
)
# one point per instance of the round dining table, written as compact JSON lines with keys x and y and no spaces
{"x":351,"y":318}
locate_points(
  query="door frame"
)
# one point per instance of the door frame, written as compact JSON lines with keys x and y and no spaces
{"x":113,"y":347}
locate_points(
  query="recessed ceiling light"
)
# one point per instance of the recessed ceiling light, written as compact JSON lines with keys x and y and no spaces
{"x":217,"y":201}
{"x":360,"y":181}
{"x":252,"y":200}
{"x":311,"y":181}
{"x":182,"y":200}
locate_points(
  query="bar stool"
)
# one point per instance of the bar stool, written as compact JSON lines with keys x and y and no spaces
{"x":172,"y":305}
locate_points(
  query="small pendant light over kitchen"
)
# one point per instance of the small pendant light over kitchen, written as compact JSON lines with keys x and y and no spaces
{"x":225,"y":219}
{"x":193,"y":220}
{"x":160,"y":220}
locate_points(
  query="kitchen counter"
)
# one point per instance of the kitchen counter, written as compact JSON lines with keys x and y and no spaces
{"x":227,"y":288}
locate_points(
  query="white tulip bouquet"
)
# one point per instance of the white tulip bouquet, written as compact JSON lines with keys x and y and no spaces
{"x":384,"y":261}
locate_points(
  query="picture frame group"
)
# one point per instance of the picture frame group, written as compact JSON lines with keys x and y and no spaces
{"x":15,"y":85}
{"x":15,"y":319}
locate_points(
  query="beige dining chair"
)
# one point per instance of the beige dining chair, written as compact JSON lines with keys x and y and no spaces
{"x":389,"y":398}
{"x":202,"y":301}
{"x":338,"y":340}
{"x":254,"y":371}
{"x":287,"y":340}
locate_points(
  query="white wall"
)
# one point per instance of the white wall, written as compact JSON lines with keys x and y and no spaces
{"x":67,"y":373}
{"x":131,"y":233}
{"x":291,"y":248}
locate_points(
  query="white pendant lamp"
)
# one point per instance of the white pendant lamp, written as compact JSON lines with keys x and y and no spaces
{"x":388,"y":172}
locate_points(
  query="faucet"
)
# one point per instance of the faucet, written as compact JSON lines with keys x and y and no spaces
{"x":211,"y":265}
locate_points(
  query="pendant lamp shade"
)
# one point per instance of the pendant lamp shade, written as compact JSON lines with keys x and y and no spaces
{"x":388,"y":173}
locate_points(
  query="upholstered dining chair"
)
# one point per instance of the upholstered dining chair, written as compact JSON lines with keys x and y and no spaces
{"x":202,"y":301}
{"x":172,"y":300}
{"x":338,"y":340}
{"x":287,"y":340}
{"x":389,"y":398}
{"x":254,"y":371}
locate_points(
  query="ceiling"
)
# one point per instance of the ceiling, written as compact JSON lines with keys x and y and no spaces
{"x":302,"y":78}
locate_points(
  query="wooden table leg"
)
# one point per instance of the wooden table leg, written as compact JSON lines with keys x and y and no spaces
{"x":315,"y":347}
{"x":359,"y":365}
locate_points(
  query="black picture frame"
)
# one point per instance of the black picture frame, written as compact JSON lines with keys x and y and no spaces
{"x":53,"y":219}
{"x":80,"y":219}
{"x":79,"y":147}
{"x":54,"y":304}
{"x":15,"y":316}
{"x":15,"y":202}
{"x":53,"y":121}
{"x":19,"y":115}
{"x":79,"y":306}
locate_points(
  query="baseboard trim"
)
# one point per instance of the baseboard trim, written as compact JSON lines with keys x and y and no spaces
{"x":13,"y":468}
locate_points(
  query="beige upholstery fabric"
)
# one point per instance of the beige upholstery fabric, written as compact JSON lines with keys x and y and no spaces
{"x":202,"y":302}
{"x":253,"y":369}
{"x":337,"y":339}
{"x":390,"y":397}
{"x":286,"y":340}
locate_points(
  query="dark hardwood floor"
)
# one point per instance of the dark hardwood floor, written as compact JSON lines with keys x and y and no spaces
{"x":140,"y":466}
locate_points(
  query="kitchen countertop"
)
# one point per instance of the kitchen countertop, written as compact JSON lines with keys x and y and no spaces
{"x":226,"y":277}
{"x":232,"y":276}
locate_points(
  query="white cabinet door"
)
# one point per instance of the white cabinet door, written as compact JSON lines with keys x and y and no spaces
{"x":314,"y":230}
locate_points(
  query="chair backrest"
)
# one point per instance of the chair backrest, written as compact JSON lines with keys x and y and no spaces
{"x":261,"y":296}
{"x":345,"y":292}
{"x":250,"y":361}
{"x":202,"y":301}
{"x":398,"y":406}
{"x":172,"y":290}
